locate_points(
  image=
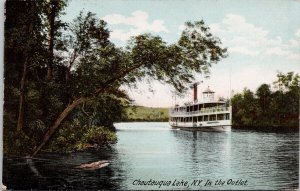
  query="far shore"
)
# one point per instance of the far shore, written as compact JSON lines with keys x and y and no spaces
{"x":270,"y":129}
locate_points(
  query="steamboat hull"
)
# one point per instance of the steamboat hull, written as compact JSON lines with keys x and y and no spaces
{"x":222,"y":128}
{"x":224,"y":125}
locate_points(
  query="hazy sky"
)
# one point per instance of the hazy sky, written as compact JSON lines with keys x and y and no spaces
{"x":262,"y":37}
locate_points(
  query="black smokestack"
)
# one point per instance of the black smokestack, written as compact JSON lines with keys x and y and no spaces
{"x":195,"y":91}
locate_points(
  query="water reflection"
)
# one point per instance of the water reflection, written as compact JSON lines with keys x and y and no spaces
{"x":33,"y":168}
{"x":207,"y":154}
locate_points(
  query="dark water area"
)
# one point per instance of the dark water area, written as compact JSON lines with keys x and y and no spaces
{"x":154,"y":152}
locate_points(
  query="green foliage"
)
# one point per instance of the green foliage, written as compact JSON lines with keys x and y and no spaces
{"x":174,"y":64}
{"x":103,"y":111}
{"x":74,"y":136}
{"x":66,"y":137}
{"x":16,"y":143}
{"x":279,"y":108}
{"x":45,"y":98}
{"x":199,"y":47}
{"x":99,"y":136}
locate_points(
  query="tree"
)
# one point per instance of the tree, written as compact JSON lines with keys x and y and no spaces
{"x":269,"y":109}
{"x":263,"y":94}
{"x":104,"y":67}
{"x":287,"y":81}
{"x":237,"y":105}
{"x":250,"y":105}
{"x":244,"y":111}
{"x":23,"y":37}
{"x":53,"y":10}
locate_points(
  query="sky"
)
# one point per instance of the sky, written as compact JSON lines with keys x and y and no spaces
{"x":262,"y":37}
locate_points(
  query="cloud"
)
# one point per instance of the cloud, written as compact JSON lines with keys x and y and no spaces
{"x":245,"y":38}
{"x":138,"y":23}
{"x":181,"y":27}
{"x":281,"y":52}
{"x":297,"y":33}
{"x":251,"y":77}
{"x":216,"y":28}
{"x":237,"y":24}
{"x":243,"y":50}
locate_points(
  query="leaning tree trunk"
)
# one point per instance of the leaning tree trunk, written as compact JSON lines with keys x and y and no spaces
{"x":57,"y":122}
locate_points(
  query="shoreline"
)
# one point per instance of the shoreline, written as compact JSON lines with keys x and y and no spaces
{"x":267,"y":129}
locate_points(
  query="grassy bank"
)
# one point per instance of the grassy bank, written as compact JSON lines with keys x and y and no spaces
{"x":141,"y":113}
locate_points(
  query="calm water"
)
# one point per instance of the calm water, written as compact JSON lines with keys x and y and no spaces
{"x":152,"y":151}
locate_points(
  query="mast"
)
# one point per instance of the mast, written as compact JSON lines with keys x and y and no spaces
{"x":230,"y":91}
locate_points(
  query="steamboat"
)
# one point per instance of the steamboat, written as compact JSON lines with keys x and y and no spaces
{"x":207,"y":115}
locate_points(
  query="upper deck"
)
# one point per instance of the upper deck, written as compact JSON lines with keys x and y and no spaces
{"x":206,"y":107}
{"x":182,"y":111}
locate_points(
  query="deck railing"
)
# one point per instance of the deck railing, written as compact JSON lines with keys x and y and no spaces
{"x":202,"y":110}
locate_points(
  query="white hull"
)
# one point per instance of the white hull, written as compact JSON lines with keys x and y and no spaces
{"x":216,"y":128}
{"x":224,"y":125}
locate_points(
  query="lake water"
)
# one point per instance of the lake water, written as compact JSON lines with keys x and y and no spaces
{"x":152,"y":153}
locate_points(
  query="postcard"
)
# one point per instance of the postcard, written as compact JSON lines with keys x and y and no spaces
{"x":151,"y":95}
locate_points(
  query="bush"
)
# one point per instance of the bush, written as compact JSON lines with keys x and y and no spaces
{"x":100,"y":136}
{"x":74,"y":136}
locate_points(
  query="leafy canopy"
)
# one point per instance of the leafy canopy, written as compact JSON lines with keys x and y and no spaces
{"x":104,"y":65}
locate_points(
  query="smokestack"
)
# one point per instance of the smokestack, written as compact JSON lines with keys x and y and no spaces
{"x":195,"y":91}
